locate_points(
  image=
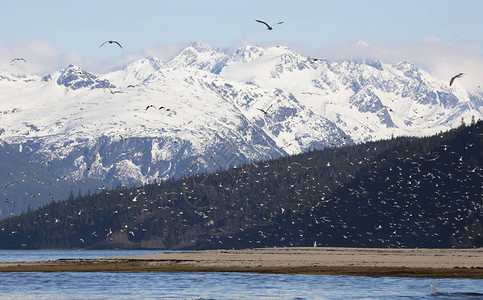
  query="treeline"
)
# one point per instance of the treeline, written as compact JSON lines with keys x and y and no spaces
{"x":403,"y":192}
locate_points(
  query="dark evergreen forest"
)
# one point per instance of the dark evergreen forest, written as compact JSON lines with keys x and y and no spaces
{"x":403,"y":192}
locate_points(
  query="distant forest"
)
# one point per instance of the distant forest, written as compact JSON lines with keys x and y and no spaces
{"x":403,"y":192}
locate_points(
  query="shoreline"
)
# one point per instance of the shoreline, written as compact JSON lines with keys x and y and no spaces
{"x":435,"y":263}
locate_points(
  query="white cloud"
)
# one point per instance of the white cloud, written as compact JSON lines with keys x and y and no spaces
{"x":165,"y":52}
{"x":441,"y":58}
{"x":42,"y":58}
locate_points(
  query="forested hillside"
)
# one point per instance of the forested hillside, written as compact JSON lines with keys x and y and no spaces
{"x":403,"y":192}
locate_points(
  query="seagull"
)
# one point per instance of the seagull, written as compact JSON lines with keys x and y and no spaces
{"x":268,"y":26}
{"x":265,"y":111}
{"x":150,"y":106}
{"x":114,"y":92}
{"x":19,"y":59}
{"x":317,"y":59}
{"x":111,"y":42}
{"x":388,"y":108}
{"x":456,"y":76}
{"x":286,"y":146}
{"x":311,"y":93}
{"x":11,"y":183}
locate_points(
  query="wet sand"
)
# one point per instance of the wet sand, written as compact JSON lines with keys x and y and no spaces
{"x":454,"y":263}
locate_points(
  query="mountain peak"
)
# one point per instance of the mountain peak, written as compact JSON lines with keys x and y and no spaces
{"x":74,"y":77}
{"x":200,"y":56}
{"x":247,"y":53}
{"x":200,"y":47}
{"x":278,"y":50}
{"x":375,"y":63}
{"x":151,"y":60}
{"x":141,"y":69}
{"x":406,"y":66}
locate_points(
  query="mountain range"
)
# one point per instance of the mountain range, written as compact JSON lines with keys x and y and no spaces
{"x":73,"y":131}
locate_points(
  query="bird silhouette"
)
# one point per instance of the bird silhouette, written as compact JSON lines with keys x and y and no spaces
{"x":111,"y":42}
{"x":265,"y":111}
{"x":150,"y":106}
{"x":388,"y":108}
{"x":317,"y":59}
{"x":115,"y":92}
{"x":311,"y":93}
{"x":18,"y":58}
{"x":268,"y":26}
{"x":11,"y":183}
{"x":286,"y":146}
{"x":454,"y":77}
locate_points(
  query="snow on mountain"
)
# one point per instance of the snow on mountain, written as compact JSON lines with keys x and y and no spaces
{"x":200,"y":56}
{"x":247,"y":54}
{"x":75,"y":78}
{"x":205,"y":110}
{"x":368,"y":100}
{"x":136,"y":72}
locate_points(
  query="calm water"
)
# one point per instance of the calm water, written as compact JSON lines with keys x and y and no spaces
{"x":43,"y":255}
{"x":214,"y":285}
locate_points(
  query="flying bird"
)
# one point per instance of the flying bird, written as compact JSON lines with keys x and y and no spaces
{"x":311,"y":93}
{"x":265,"y":111}
{"x":286,"y":146}
{"x":11,"y":183}
{"x":18,"y":58}
{"x":388,"y":108}
{"x":456,"y":76}
{"x":115,"y":92}
{"x":150,"y":106}
{"x":268,"y":26}
{"x":111,"y":42}
{"x":317,"y":59}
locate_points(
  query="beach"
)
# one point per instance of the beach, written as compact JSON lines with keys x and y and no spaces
{"x":438,"y":263}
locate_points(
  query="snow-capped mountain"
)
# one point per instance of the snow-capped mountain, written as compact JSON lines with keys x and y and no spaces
{"x":206,"y":109}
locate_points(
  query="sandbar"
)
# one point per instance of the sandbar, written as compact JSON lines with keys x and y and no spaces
{"x":438,"y":263}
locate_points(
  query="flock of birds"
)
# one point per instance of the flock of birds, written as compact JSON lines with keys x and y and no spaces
{"x":264,"y":111}
{"x":398,"y":213}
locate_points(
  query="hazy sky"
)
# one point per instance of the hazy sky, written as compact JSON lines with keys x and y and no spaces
{"x":424,"y":31}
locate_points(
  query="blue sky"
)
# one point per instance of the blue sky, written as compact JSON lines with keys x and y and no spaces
{"x":334,"y":29}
